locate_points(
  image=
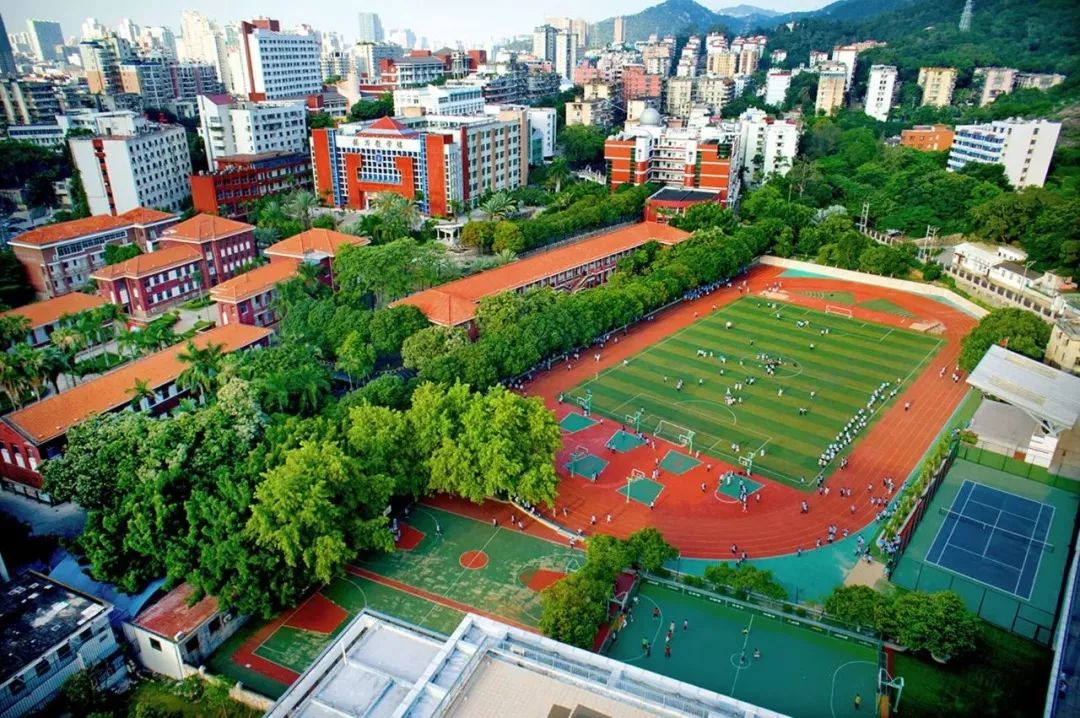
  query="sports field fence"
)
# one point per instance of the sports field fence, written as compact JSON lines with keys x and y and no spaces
{"x":922,"y":502}
{"x":989,"y":458}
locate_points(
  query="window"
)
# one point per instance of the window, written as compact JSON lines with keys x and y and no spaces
{"x":64,"y":652}
{"x":42,"y":667}
{"x":155,"y":644}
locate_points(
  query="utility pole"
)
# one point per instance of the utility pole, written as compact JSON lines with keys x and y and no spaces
{"x":864,"y":217}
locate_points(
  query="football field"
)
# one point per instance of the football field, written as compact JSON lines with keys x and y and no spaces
{"x":736,"y":408}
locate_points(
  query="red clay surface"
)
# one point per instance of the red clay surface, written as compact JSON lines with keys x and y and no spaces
{"x":410,"y":538}
{"x":245,"y":654}
{"x":473,"y":560}
{"x":700,"y":525}
{"x":318,"y":614}
{"x":541,"y":578}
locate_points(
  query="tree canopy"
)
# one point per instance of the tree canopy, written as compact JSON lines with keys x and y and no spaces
{"x":1017,"y":329}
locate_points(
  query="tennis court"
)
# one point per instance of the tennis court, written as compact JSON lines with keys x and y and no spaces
{"x":492,"y":569}
{"x":775,"y":379}
{"x":801,"y":668}
{"x":1000,"y":541}
{"x":994,"y":537}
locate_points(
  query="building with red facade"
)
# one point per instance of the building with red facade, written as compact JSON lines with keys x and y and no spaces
{"x":640,"y":85}
{"x":928,"y":138}
{"x":706,"y":158}
{"x":37,"y":432}
{"x":239,"y":180}
{"x":248,"y":298}
{"x":674,"y":201}
{"x":437,"y":160}
{"x":59,"y":258}
{"x":315,"y":246}
{"x":570,"y":268}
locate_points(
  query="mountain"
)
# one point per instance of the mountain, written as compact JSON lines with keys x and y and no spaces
{"x":742,"y":11}
{"x":672,"y":17}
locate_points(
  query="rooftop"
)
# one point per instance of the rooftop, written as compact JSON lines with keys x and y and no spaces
{"x":455,"y":303}
{"x":76,"y":228}
{"x":256,"y":281}
{"x":679,"y":194}
{"x":380,"y":666}
{"x":54,"y":415}
{"x":36,"y":613}
{"x":205,"y":227}
{"x":314,"y":244}
{"x":1020,"y":269}
{"x":49,"y":311}
{"x":143,"y":264}
{"x":172,"y":615}
{"x":1045,"y":393}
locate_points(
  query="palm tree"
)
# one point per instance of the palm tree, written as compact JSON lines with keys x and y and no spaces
{"x":31,"y":366}
{"x":276,"y":391}
{"x":504,"y":256}
{"x":54,"y":363}
{"x":499,"y":206}
{"x":129,"y":343}
{"x":299,"y":204}
{"x":12,"y":382}
{"x":141,"y":390}
{"x":397,"y":216}
{"x":13,"y":328}
{"x":202,"y":369}
{"x":557,"y":173}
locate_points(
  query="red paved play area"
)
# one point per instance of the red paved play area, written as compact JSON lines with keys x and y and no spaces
{"x":703,"y":527}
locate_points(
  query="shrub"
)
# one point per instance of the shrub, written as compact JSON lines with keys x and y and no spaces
{"x":937,"y":622}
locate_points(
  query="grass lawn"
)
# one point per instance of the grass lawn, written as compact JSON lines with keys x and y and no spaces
{"x":842,"y":368}
{"x":1005,"y":676}
{"x":160,"y":697}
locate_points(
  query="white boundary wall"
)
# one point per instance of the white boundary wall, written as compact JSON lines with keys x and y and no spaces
{"x":904,"y":285}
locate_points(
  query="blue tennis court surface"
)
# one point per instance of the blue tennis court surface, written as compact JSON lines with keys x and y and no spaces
{"x":994,"y":537}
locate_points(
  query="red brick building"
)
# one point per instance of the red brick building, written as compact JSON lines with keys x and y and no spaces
{"x":59,"y":258}
{"x":576,"y":266}
{"x":249,"y":297}
{"x":315,"y":246}
{"x":37,"y":432}
{"x":239,"y":180}
{"x":640,"y":85}
{"x":928,"y":138}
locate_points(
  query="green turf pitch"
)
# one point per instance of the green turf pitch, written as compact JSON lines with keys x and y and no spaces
{"x":731,"y":488}
{"x":800,"y":672}
{"x":623,"y":441}
{"x":834,"y":297}
{"x":886,"y":306}
{"x":644,"y":491}
{"x":843,"y":368}
{"x":678,"y":463}
{"x":434,"y":565}
{"x":588,"y":466}
{"x":575,"y":422}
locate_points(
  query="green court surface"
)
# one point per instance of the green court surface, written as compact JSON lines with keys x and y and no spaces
{"x":644,"y":491}
{"x":499,"y":586}
{"x":886,"y":306}
{"x":1032,"y":618}
{"x":575,"y":422}
{"x":731,"y":488}
{"x":678,"y":463}
{"x":294,"y":648}
{"x":355,"y":593}
{"x":588,"y":466}
{"x":624,"y":441}
{"x":834,"y":297}
{"x":802,"y":671}
{"x":842,"y":368}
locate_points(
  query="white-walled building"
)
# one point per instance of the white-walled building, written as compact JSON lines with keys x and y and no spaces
{"x":131,"y":162}
{"x":243,"y":127}
{"x":848,"y":56}
{"x":880,"y":89}
{"x":775,"y":141}
{"x":436,"y":100}
{"x":777,"y":83}
{"x":203,"y":41}
{"x":566,"y":53}
{"x":543,"y":120}
{"x":1023,"y":147}
{"x":277,"y":65}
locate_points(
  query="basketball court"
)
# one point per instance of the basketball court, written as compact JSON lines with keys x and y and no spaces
{"x":641,"y":488}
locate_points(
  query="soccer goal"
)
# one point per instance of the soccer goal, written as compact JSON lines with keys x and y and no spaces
{"x":634,"y":420}
{"x":675,"y":433}
{"x":889,"y":691}
{"x":839,"y":311}
{"x":585,"y":402}
{"x":634,"y":476}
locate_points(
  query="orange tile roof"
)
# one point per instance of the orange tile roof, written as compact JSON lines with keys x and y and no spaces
{"x":455,"y":302}
{"x":53,"y":416}
{"x":326,"y":241}
{"x":145,"y":264}
{"x":205,"y":227}
{"x":172,"y":616}
{"x":48,"y":311}
{"x":257,"y":281}
{"x":145,"y":215}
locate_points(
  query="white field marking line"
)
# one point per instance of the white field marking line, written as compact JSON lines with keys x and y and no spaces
{"x":993,"y":530}
{"x":624,"y":403}
{"x":956,"y":520}
{"x":961,"y":549}
{"x":659,"y":627}
{"x":886,"y":335}
{"x":832,"y":693}
{"x":746,"y":640}
{"x":971,"y":578}
{"x":1027,"y":553}
{"x":446,"y":594}
{"x":1034,"y":522}
{"x":1042,"y":550}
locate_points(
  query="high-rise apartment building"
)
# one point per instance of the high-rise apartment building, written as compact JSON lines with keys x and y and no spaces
{"x":566,"y":53}
{"x":278,"y":65}
{"x":777,"y":83}
{"x":722,"y":64}
{"x":29,"y":102}
{"x":937,"y":84}
{"x":848,"y":56}
{"x":996,"y":81}
{"x":131,"y":162}
{"x":243,"y":127}
{"x":640,"y":85}
{"x":768,"y":144}
{"x":101,"y":60}
{"x":1023,"y":148}
{"x":150,"y":79}
{"x":679,"y":96}
{"x":204,"y":41}
{"x":715,"y":92}
{"x":880,"y":89}
{"x":543,"y":45}
{"x":46,"y":39}
{"x":371,"y":29}
{"x":619,"y":31}
{"x":832,"y":77}
{"x":7,"y":57}
{"x":437,"y":160}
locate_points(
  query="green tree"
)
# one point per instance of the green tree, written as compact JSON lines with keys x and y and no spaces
{"x":320,"y":121}
{"x":573,"y":609}
{"x":372,"y":109}
{"x":936,"y":622}
{"x":1020,"y":330}
{"x":508,"y":237}
{"x":202,"y":365}
{"x":15,"y":287}
{"x":480,"y":235}
{"x":647,"y":549}
{"x":860,"y":605}
{"x":397,"y":216}
{"x":582,"y":144}
{"x":499,"y":206}
{"x":704,"y":216}
{"x":744,"y":578}
{"x":390,"y":327}
{"x":422,"y":347}
{"x":356,"y":356}
{"x":298,"y":205}
{"x":117,"y":253}
{"x":316,"y":511}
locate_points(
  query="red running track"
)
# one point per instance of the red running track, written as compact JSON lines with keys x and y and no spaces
{"x":700,"y":524}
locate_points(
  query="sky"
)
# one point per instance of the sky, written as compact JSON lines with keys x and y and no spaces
{"x":467,"y":20}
